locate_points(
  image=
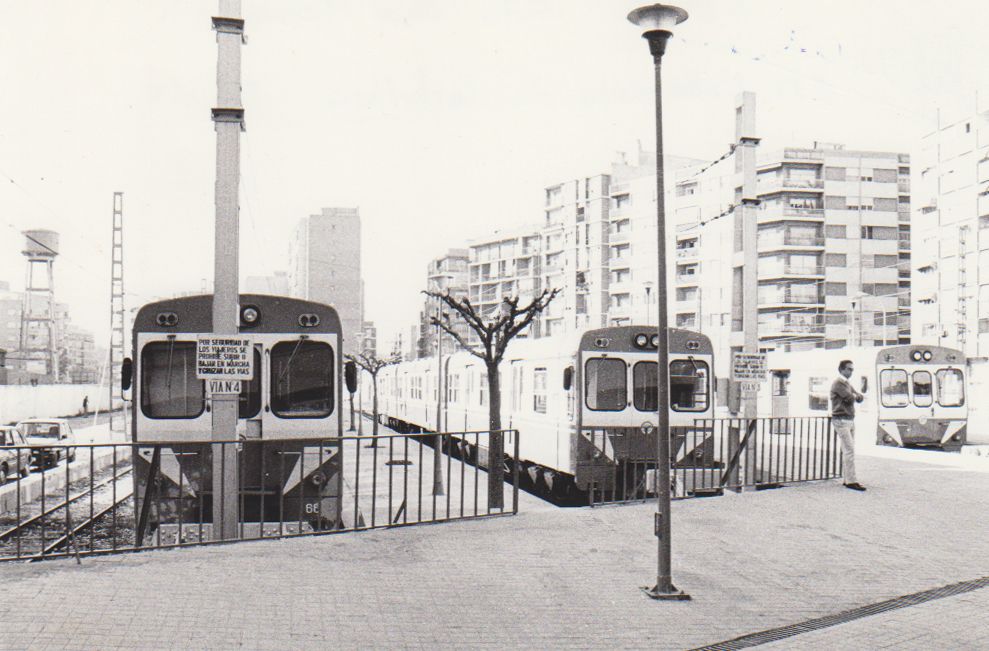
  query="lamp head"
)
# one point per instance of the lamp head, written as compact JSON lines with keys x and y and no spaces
{"x":657,"y":22}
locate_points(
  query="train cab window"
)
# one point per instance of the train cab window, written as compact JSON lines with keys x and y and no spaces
{"x":893,"y":387}
{"x":606,"y":384}
{"x":169,"y":388}
{"x":249,"y":403}
{"x":950,"y":387}
{"x":689,"y":388}
{"x":302,"y":379}
{"x":644,"y":389}
{"x":922,"y":389}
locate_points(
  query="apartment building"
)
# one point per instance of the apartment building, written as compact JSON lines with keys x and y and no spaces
{"x":448,"y":273}
{"x":951,"y":218}
{"x":511,"y":264}
{"x":325,"y":266}
{"x":834,"y":248}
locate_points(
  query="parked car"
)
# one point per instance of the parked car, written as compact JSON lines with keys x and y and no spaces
{"x":14,"y":455}
{"x":40,"y":433}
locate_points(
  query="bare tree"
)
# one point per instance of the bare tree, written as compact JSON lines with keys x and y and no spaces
{"x":494,"y":332}
{"x":371,"y":363}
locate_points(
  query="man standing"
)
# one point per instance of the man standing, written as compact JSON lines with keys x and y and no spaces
{"x":843,"y":399}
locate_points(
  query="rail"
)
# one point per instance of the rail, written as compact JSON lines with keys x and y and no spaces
{"x":104,"y":502}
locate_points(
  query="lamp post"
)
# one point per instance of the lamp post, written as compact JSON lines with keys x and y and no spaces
{"x":657,"y":21}
{"x":438,"y":440}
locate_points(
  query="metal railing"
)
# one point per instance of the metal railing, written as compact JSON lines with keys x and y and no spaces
{"x":712,"y":455}
{"x":130,"y":497}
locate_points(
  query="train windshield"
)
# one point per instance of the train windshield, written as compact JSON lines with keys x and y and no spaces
{"x":644,"y":389}
{"x":688,"y":385}
{"x":893,"y":387}
{"x":605,"y":384}
{"x":922,"y":389}
{"x":169,"y":388}
{"x":950,"y":387}
{"x":302,"y":374}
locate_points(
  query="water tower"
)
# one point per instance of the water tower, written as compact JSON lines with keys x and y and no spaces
{"x":38,"y":334}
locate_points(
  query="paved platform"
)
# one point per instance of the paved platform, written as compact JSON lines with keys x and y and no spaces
{"x":554,"y":578}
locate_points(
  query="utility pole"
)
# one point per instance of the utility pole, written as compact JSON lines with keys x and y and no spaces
{"x":228,"y":119}
{"x":745,"y":262}
{"x":438,"y":440}
{"x":117,"y":336}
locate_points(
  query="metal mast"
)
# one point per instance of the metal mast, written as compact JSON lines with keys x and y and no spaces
{"x":118,"y":422}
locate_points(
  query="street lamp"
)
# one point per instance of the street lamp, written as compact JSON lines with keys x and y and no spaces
{"x":657,"y":22}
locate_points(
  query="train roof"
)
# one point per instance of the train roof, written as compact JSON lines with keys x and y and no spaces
{"x":276,"y":314}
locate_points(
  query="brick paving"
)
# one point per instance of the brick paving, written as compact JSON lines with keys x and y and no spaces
{"x":550,"y":578}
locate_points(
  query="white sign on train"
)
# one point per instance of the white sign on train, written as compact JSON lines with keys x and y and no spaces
{"x":214,"y":387}
{"x":224,"y":357}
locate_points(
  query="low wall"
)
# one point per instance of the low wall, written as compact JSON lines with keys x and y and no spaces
{"x":20,"y":401}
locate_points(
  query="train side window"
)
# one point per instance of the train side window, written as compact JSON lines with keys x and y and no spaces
{"x":249,"y":403}
{"x":539,"y":390}
{"x":893,"y":387}
{"x":689,"y":387}
{"x":605,"y":384}
{"x":302,"y":379}
{"x":169,"y":388}
{"x":644,"y":389}
{"x":922,"y":389}
{"x":950,"y":387}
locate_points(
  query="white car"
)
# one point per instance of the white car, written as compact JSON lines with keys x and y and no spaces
{"x":14,"y":455}
{"x":42,"y":433}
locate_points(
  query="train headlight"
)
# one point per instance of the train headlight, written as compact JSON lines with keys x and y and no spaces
{"x":654,"y":341}
{"x":641,"y":340}
{"x":249,"y":315}
{"x":927,"y":355}
{"x":915,"y":355}
{"x":167,"y":319}
{"x":308,"y":320}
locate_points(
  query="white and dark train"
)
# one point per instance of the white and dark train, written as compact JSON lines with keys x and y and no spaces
{"x":579,"y":403}
{"x":289,"y":413}
{"x":915,"y":395}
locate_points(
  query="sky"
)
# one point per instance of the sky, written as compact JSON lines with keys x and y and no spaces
{"x":440,"y":120}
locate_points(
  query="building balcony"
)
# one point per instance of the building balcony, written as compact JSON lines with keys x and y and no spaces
{"x":619,"y":237}
{"x":788,"y":299}
{"x":795,"y":241}
{"x":778,"y":328}
{"x":621,"y":287}
{"x":791,"y":270}
{"x":687,"y":254}
{"x":623,"y":262}
{"x":618,"y":188}
{"x":802,"y":155}
{"x":790,"y":213}
{"x":777,"y":184}
{"x":686,"y":279}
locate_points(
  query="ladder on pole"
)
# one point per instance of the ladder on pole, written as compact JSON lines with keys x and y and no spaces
{"x":118,"y":421}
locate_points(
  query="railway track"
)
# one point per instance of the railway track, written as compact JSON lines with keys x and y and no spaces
{"x":39,"y":530}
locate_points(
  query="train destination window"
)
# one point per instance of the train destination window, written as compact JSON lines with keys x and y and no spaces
{"x":893,"y":387}
{"x":644,"y":387}
{"x":606,"y":384}
{"x":302,"y":379}
{"x":950,"y":387}
{"x":688,"y":385}
{"x":249,"y":403}
{"x":169,"y":388}
{"x":922,"y":389}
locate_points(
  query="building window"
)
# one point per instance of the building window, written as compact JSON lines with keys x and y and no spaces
{"x":836,"y":289}
{"x":835,"y":203}
{"x":879,"y":233}
{"x":835,"y":260}
{"x":836,"y":231}
{"x":621,"y":201}
{"x":834,"y":173}
{"x":887,"y":204}
{"x":686,"y":320}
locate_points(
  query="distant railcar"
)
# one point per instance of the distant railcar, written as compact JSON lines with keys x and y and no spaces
{"x":289,"y":413}
{"x":579,"y":402}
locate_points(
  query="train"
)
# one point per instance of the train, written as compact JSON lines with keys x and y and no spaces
{"x":915,"y":394}
{"x":584,"y":404}
{"x":290,"y":414}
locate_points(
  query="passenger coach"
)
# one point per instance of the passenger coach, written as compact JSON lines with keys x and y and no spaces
{"x":288,"y":413}
{"x":579,"y":402}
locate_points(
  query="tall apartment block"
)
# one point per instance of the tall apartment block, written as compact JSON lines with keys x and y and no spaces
{"x":951,"y":219}
{"x":325,"y":266}
{"x":447,"y":273}
{"x":509,"y":264}
{"x":833,"y":256}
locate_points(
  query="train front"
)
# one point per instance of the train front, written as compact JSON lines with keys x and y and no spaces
{"x":922,"y":397}
{"x":616,"y":378}
{"x":288,"y":454}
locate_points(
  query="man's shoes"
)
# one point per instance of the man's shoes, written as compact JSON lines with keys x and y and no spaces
{"x":855,"y":486}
